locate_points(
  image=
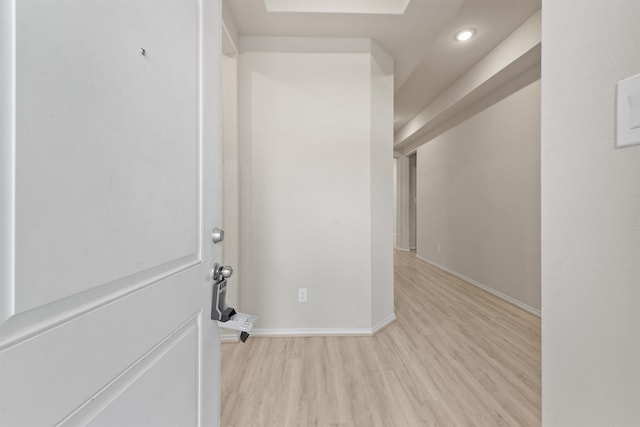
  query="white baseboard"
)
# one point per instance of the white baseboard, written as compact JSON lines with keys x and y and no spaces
{"x":383,"y":324}
{"x":229,"y":337}
{"x":403,"y":249}
{"x":324,"y":332}
{"x":311,"y":332}
{"x":484,"y":287}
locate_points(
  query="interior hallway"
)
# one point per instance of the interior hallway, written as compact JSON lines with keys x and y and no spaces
{"x":455,"y":356}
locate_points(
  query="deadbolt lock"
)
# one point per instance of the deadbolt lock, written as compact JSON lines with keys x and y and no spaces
{"x":217,"y":235}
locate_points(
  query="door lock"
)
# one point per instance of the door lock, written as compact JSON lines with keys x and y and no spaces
{"x":217,"y":235}
{"x":226,"y":316}
{"x":221,"y":272}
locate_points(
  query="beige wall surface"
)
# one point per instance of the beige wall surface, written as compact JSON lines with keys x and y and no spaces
{"x":315,"y":184}
{"x":590,"y":217}
{"x":479,"y":198}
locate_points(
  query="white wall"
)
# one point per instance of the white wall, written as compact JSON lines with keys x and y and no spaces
{"x":308,"y":185}
{"x":590,"y":217}
{"x":7,"y":153}
{"x":395,"y":194}
{"x":413,"y":208}
{"x":402,"y":203}
{"x":231,"y":244}
{"x":382,"y":186}
{"x":479,"y":197}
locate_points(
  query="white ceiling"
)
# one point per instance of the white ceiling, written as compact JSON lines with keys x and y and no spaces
{"x":402,"y":36}
{"x":427,"y":59}
{"x":445,"y":60}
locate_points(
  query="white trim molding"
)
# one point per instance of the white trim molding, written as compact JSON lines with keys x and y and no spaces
{"x":383,"y":324}
{"x":229,"y":337}
{"x":325,"y":332}
{"x":311,"y":332}
{"x":484,"y":287}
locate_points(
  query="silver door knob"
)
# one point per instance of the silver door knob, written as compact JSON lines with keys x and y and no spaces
{"x":221,"y":272}
{"x":217,"y":235}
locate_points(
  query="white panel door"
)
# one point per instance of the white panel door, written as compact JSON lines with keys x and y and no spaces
{"x":110,"y":185}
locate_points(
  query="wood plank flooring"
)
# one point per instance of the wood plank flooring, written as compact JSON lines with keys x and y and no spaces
{"x":456,"y":356}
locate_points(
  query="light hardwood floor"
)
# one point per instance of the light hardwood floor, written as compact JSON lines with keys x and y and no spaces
{"x":456,"y":356}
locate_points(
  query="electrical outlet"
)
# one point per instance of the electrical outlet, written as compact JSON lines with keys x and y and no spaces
{"x":438,"y":248}
{"x":302,"y":294}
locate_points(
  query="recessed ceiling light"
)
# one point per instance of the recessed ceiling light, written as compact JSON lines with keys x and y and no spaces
{"x":464,"y":35}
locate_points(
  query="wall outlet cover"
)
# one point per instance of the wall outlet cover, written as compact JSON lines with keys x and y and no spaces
{"x":628,"y":112}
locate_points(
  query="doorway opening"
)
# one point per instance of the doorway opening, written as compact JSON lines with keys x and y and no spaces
{"x":413,"y":201}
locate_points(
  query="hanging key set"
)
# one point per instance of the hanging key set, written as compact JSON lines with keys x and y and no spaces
{"x":226,"y":316}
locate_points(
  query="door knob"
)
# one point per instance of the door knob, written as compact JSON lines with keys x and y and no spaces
{"x":221,"y":272}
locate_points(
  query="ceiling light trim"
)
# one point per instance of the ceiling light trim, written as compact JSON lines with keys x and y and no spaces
{"x":465,"y":34}
{"x":366,"y":7}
